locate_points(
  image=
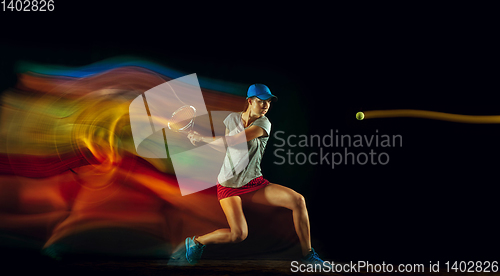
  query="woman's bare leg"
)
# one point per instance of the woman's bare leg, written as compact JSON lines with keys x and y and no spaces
{"x":238,"y":230}
{"x":281,"y":196}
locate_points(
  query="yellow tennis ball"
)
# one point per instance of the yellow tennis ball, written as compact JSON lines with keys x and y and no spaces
{"x":360,"y":115}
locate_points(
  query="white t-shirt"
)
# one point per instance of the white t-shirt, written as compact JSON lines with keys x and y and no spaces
{"x":242,"y":162}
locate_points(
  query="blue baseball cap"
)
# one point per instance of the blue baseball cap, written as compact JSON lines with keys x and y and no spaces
{"x":260,"y":91}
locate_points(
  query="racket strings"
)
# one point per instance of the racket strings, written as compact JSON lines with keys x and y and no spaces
{"x":182,"y":118}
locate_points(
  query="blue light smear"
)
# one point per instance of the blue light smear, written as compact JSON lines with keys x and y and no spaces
{"x":125,"y":61}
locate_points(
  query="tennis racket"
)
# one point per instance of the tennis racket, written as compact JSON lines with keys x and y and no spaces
{"x":182,"y":119}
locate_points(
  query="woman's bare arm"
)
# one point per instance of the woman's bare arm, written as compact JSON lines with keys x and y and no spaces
{"x":219,"y":142}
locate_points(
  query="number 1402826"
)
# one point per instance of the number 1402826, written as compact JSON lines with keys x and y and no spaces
{"x":28,"y":5}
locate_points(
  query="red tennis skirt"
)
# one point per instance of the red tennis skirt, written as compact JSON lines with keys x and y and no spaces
{"x":253,"y":185}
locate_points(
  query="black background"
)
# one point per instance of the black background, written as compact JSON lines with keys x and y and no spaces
{"x":435,"y":200}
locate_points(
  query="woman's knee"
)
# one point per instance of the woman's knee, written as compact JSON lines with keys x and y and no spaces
{"x":238,"y":235}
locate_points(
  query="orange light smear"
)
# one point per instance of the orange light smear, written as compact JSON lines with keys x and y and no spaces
{"x":52,"y":124}
{"x":468,"y":119}
{"x":135,"y":200}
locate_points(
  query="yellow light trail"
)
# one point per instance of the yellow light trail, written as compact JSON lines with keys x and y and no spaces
{"x":468,"y":119}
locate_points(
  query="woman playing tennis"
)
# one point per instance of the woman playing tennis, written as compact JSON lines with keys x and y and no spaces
{"x":247,"y":183}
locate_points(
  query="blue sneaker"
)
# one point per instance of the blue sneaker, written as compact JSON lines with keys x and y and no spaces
{"x":312,"y":258}
{"x":193,"y":250}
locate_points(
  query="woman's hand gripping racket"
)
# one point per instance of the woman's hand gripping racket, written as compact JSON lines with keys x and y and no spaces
{"x":183,"y":121}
